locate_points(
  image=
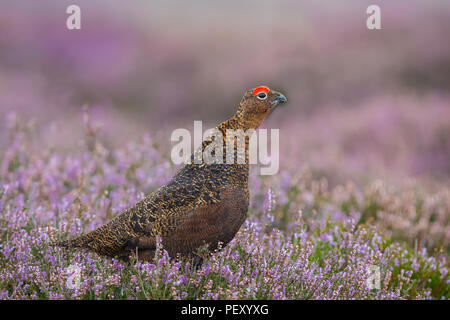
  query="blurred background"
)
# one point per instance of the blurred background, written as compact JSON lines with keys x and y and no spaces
{"x":363,"y":104}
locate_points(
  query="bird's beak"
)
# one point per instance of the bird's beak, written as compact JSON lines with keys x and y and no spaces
{"x":279,"y":99}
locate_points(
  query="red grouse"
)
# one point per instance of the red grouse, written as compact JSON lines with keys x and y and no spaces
{"x":203,"y":204}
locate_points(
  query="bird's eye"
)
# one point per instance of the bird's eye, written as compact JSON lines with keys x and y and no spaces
{"x":262,"y":95}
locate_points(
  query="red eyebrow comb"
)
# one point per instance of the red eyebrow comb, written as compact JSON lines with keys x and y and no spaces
{"x":260,"y":89}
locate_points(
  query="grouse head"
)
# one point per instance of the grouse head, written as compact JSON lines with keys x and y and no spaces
{"x":256,"y":104}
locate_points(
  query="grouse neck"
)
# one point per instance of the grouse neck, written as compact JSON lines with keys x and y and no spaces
{"x":235,"y":134}
{"x":236,"y":122}
{"x":236,"y":131}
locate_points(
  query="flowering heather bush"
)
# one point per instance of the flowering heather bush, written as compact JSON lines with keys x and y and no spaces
{"x":300,"y":241}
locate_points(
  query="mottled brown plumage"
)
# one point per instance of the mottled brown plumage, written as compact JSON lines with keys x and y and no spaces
{"x":203,"y":204}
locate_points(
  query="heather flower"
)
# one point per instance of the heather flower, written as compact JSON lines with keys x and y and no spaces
{"x":303,"y":239}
